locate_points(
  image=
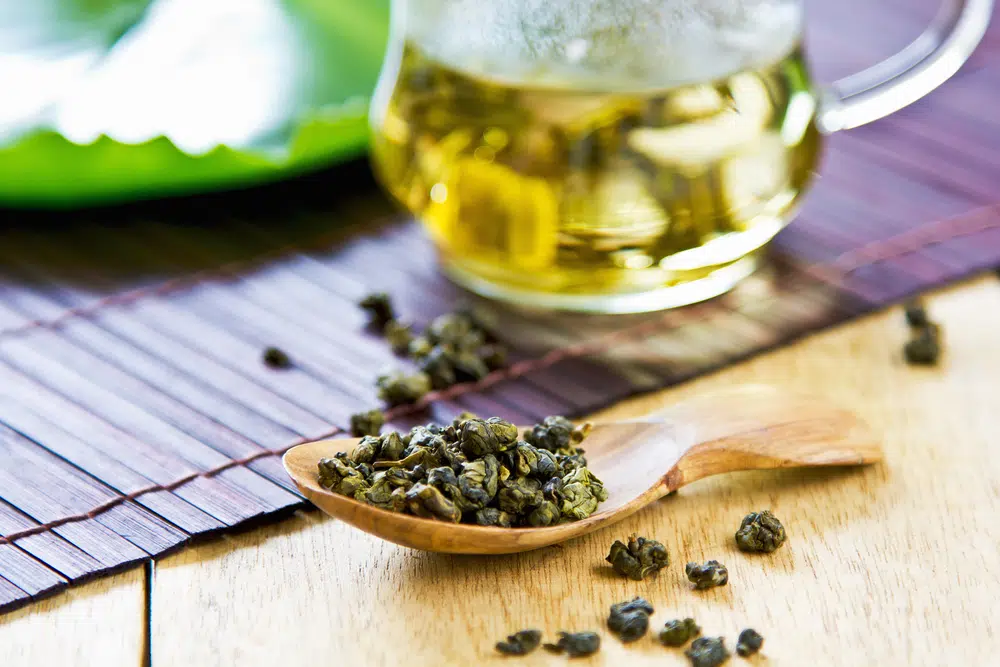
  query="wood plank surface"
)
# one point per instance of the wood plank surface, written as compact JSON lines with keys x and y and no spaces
{"x":100,"y":623}
{"x":894,"y":564}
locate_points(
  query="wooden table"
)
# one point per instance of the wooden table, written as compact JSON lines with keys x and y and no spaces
{"x":890,"y":565}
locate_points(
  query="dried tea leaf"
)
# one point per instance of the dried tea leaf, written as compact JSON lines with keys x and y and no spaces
{"x":760,"y":532}
{"x":630,"y":620}
{"x":639,"y":558}
{"x":924,"y":348}
{"x":276,"y":358}
{"x":707,"y":652}
{"x":576,"y":644}
{"x":708,"y":575}
{"x":399,"y":335}
{"x":427,"y":502}
{"x":916,"y":314}
{"x":491,"y":516}
{"x":546,"y":514}
{"x":367,"y":423}
{"x":439,"y":366}
{"x":518,"y":495}
{"x":379,"y":308}
{"x":749,"y":642}
{"x":520,"y":643}
{"x":397,"y":388}
{"x":678,"y":632}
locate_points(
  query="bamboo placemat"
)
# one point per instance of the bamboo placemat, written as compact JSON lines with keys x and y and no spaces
{"x":135,"y":413}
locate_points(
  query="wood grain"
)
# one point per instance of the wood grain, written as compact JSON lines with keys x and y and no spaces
{"x":100,"y":623}
{"x":891,"y":564}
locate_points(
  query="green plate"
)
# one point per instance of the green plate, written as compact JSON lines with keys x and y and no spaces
{"x":112,"y":100}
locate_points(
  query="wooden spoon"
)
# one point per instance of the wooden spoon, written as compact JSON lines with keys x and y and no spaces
{"x":747,"y":428}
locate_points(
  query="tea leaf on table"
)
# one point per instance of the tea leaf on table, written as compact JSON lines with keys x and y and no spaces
{"x":677,"y":632}
{"x":639,"y":558}
{"x":709,"y":575}
{"x":398,"y":388}
{"x":398,"y":335}
{"x":367,"y":423}
{"x":761,"y":532}
{"x":520,"y":643}
{"x":749,"y":642}
{"x":379,"y":308}
{"x":576,"y":644}
{"x":276,"y":358}
{"x":630,"y":620}
{"x":707,"y":652}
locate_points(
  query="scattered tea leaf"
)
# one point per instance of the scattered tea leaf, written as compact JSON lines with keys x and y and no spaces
{"x":520,"y":643}
{"x":916,"y":314}
{"x":708,"y":575}
{"x":398,"y":388}
{"x":924,"y":348}
{"x":367,"y":423}
{"x":379,"y":308}
{"x":276,"y":358}
{"x":639,"y":558}
{"x":630,"y":620}
{"x":761,"y":532}
{"x":677,"y":632}
{"x":399,"y":336}
{"x":707,"y":652}
{"x":576,"y":644}
{"x":749,"y":642}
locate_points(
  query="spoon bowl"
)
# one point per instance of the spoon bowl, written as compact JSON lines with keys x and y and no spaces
{"x":746,"y":428}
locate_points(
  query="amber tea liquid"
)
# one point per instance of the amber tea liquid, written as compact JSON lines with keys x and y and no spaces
{"x":584,"y":195}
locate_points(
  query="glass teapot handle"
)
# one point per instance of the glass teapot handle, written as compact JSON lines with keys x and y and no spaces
{"x":925,"y":64}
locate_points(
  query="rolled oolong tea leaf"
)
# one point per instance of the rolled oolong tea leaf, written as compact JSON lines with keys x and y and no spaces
{"x":518,"y":495}
{"x":379,"y":308}
{"x":749,"y":642}
{"x":439,"y":366}
{"x":469,"y":367}
{"x":554,"y":434}
{"x":366,"y":450}
{"x":581,"y":492}
{"x":630,"y":620}
{"x":576,"y":644}
{"x":708,"y":575}
{"x":760,"y":532}
{"x":453,"y":329}
{"x":639,"y":558}
{"x":916,"y":314}
{"x":367,"y":423}
{"x":924,"y":348}
{"x":428,"y":502}
{"x":419,"y":347}
{"x":677,"y":632}
{"x":491,"y":516}
{"x":400,"y":389}
{"x":479,"y":437}
{"x":399,"y":336}
{"x":520,"y":643}
{"x":707,"y":652}
{"x":494,"y":356}
{"x":276,"y":358}
{"x":546,"y":514}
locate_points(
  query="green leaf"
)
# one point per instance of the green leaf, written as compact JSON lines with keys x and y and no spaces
{"x":106,"y":101}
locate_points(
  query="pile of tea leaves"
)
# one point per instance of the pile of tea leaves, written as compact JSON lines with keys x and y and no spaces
{"x":473,"y":470}
{"x":455,"y":347}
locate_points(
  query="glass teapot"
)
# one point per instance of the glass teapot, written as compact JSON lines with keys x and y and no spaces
{"x":620,"y":155}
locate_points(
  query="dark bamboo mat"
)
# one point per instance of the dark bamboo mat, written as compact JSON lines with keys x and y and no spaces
{"x":135,"y":413}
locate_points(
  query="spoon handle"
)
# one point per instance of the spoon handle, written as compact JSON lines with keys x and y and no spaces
{"x":759,"y":427}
